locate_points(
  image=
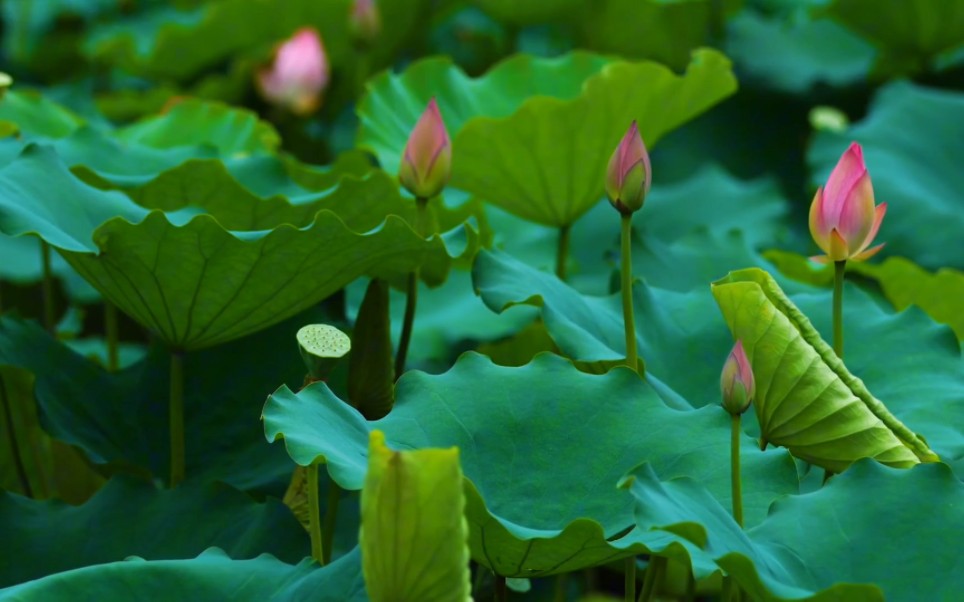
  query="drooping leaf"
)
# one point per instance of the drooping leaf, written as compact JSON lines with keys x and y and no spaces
{"x":197,"y":284}
{"x":528,"y":437}
{"x":134,"y":518}
{"x":210,"y":576}
{"x":904,"y":127}
{"x":806,"y":399}
{"x":394,"y":102}
{"x":515,"y":162}
{"x":413,"y":530}
{"x":371,"y":370}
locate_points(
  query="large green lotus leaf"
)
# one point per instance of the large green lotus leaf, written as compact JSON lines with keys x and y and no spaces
{"x":528,"y":438}
{"x":806,"y":399}
{"x":413,"y":529}
{"x":210,"y":576}
{"x":193,"y":122}
{"x":32,"y":463}
{"x":515,"y":162}
{"x":34,"y":115}
{"x":796,"y":55}
{"x":163,"y":42}
{"x":393,"y":102}
{"x":903,"y":282}
{"x":910,"y":34}
{"x":900,"y":136}
{"x":135,"y":518}
{"x":662,"y":30}
{"x":870,"y":505}
{"x":197,"y":284}
{"x":121,"y":419}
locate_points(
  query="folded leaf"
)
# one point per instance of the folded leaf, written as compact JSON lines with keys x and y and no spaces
{"x":806,"y":399}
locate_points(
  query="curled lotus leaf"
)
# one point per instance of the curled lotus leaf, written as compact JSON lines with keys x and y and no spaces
{"x":806,"y":399}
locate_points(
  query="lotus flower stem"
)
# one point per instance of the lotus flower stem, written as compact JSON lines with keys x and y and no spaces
{"x":110,"y":330}
{"x":562,"y":251}
{"x":654,"y":575}
{"x":331,"y":516}
{"x":838,"y":276}
{"x":177,"y":417}
{"x":626,"y":267}
{"x":735,"y":468}
{"x":50,"y":316}
{"x":501,"y":589}
{"x":630,"y":579}
{"x":411,"y":297}
{"x":314,"y":515}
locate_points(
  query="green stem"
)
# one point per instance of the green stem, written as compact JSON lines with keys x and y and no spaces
{"x":501,"y":589}
{"x":110,"y":329}
{"x":562,"y":251}
{"x":177,"y":418}
{"x":562,"y":587}
{"x":50,"y":316}
{"x":735,"y":468}
{"x":629,"y":578}
{"x":838,"y":277}
{"x":331,"y":516}
{"x":314,"y":515}
{"x":12,"y":441}
{"x":480,"y":572}
{"x":654,"y":574}
{"x":626,"y":269}
{"x":411,"y":297}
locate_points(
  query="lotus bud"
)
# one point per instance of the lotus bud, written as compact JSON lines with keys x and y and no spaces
{"x":843,"y":219}
{"x":736,"y":381}
{"x":321,"y":347}
{"x":365,"y":21}
{"x":298,"y":75}
{"x":427,"y":162}
{"x":629,"y":173}
{"x":5,"y":82}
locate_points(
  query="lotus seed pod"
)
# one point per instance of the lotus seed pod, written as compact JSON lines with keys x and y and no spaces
{"x":321,"y":347}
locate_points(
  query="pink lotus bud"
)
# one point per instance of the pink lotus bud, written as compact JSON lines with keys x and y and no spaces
{"x":427,"y":162}
{"x":299,"y":74}
{"x":365,"y":21}
{"x":736,"y":381}
{"x":628,"y":175}
{"x":843,"y":219}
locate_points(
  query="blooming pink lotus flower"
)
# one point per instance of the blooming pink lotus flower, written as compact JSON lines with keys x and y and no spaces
{"x":628,"y":174}
{"x":298,"y":75}
{"x":736,"y":381}
{"x":365,"y":20}
{"x":427,"y":162}
{"x":843,"y":219}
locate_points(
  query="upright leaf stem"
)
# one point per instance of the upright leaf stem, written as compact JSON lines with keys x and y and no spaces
{"x":629,"y":577}
{"x":626,"y":273}
{"x":737,"y":489}
{"x":50,"y":316}
{"x":501,"y":589}
{"x":314,"y":515}
{"x":411,"y":297}
{"x":839,"y":267}
{"x":177,"y":417}
{"x":331,"y":519}
{"x":562,"y":251}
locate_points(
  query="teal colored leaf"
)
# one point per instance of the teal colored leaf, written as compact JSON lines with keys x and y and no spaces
{"x":910,"y":34}
{"x":796,"y":55}
{"x":905,"y":125}
{"x":134,"y":518}
{"x":806,"y":399}
{"x":413,"y":530}
{"x":393,"y":102}
{"x":870,"y":506}
{"x":515,"y":162}
{"x":191,"y":122}
{"x":193,"y":282}
{"x":211,"y":576}
{"x":528,"y":438}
